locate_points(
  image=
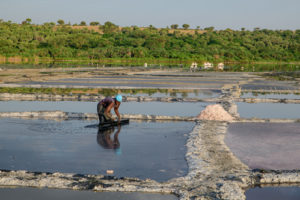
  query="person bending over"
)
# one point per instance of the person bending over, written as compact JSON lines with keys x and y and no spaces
{"x":104,"y":107}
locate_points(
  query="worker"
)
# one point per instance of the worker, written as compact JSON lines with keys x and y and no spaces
{"x":104,"y":107}
{"x":104,"y":138}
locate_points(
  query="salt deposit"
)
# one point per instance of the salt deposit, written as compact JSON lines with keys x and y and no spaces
{"x":215,"y":112}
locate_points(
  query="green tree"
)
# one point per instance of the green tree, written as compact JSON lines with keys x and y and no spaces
{"x":82,"y":23}
{"x":109,"y":27}
{"x":209,"y":29}
{"x":185,"y":26}
{"x":94,"y":23}
{"x":151,"y":27}
{"x":133,"y":42}
{"x":174,"y":26}
{"x":27,"y":21}
{"x":61,"y":22}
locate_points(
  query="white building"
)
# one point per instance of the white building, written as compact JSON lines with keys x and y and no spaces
{"x":208,"y":65}
{"x":193,"y":67}
{"x":220,"y":66}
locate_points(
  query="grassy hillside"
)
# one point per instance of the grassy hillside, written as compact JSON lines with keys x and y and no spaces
{"x":111,"y":41}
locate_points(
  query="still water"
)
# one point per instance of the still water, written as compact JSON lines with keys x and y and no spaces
{"x":269,"y":110}
{"x":271,"y":95}
{"x":273,"y":193}
{"x":153,"y":150}
{"x":50,"y":194}
{"x":149,"y":108}
{"x":265,"y":145}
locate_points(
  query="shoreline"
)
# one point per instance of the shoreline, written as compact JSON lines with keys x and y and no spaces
{"x":135,"y":61}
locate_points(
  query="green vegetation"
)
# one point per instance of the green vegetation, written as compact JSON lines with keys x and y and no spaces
{"x":111,"y":41}
{"x":89,"y":91}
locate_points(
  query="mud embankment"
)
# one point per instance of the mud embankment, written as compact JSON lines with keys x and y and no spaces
{"x":59,"y":115}
{"x":94,"y":98}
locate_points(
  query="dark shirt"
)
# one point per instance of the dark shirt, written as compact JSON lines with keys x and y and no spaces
{"x":105,"y":102}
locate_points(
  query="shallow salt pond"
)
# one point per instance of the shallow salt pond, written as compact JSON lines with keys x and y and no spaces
{"x":153,"y":150}
{"x":269,"y":110}
{"x":265,"y":145}
{"x":138,"y":82}
{"x":201,"y":94}
{"x":149,"y":108}
{"x":273,"y":193}
{"x":60,"y":194}
{"x":270,"y":95}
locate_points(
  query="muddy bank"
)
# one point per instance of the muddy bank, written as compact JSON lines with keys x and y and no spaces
{"x":257,"y":100}
{"x":276,"y":177}
{"x":95,"y":98}
{"x":215,"y":172}
{"x":59,"y":115}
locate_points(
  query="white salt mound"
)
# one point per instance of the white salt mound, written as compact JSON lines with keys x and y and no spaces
{"x":215,"y":112}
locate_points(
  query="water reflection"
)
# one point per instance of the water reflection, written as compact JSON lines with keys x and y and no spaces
{"x":108,"y":138}
{"x":273,"y":193}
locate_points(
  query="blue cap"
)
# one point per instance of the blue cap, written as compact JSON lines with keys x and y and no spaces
{"x":119,"y":98}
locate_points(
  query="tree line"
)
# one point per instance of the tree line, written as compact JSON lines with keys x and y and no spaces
{"x":64,"y":41}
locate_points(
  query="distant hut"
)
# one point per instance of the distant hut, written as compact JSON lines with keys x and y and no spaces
{"x":193,"y":67}
{"x":208,"y":65}
{"x":145,"y":65}
{"x":220,"y":66}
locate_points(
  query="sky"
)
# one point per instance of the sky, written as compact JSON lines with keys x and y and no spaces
{"x":221,"y":14}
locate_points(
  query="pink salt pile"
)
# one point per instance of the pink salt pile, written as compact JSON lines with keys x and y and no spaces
{"x":215,"y":112}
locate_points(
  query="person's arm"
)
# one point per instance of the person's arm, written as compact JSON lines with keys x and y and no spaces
{"x":117,"y":112}
{"x":107,"y":110}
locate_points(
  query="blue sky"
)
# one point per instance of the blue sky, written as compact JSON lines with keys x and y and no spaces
{"x":222,"y":14}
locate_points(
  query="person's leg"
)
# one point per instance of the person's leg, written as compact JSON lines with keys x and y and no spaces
{"x":108,"y":117}
{"x":100,"y":111}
